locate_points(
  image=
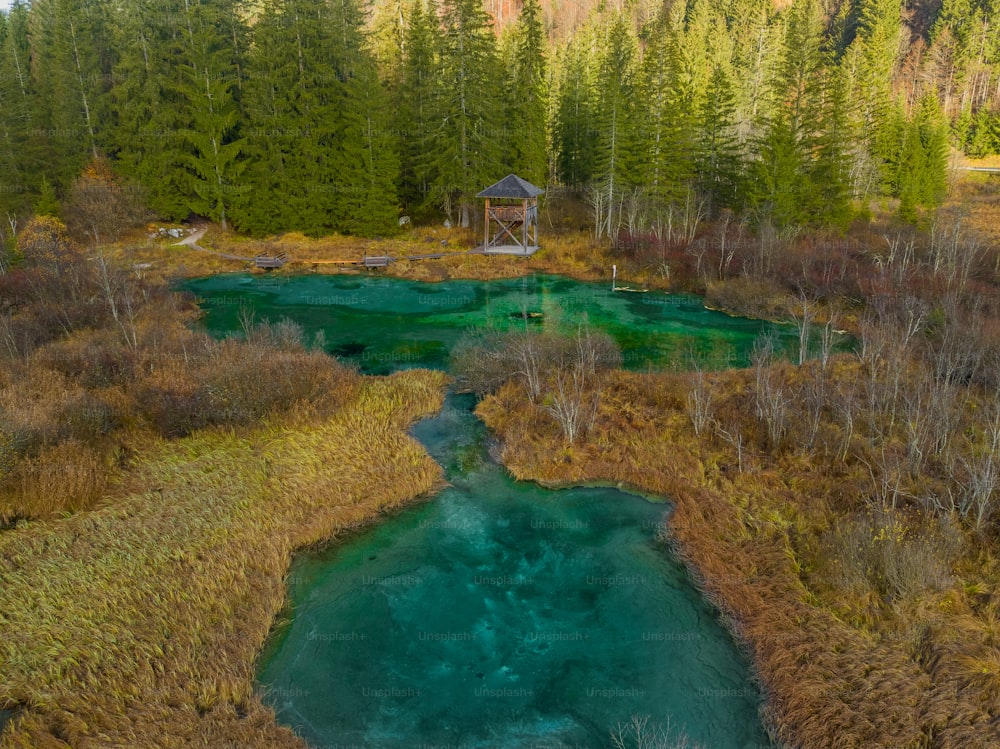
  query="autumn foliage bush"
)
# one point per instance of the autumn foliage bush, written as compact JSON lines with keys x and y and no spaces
{"x":94,"y":355}
{"x":236,"y":383}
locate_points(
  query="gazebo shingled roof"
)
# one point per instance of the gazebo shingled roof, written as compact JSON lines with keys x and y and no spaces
{"x":513,"y":187}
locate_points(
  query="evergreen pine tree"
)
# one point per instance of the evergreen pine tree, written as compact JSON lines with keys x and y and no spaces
{"x":718,"y":158}
{"x":66,"y":83}
{"x":617,"y":156}
{"x":466,"y":150}
{"x":872,"y":59}
{"x":984,"y":134}
{"x":525,"y":89}
{"x":784,"y":186}
{"x":47,"y":203}
{"x":370,"y":163}
{"x":889,"y":141}
{"x":781,"y":188}
{"x":757,"y":48}
{"x":174,"y":123}
{"x":923,"y":160}
{"x":417,"y":108}
{"x":206,"y":67}
{"x":87,"y":66}
{"x":574,"y":134}
{"x":830,"y":171}
{"x":18,"y":162}
{"x":390,"y":24}
{"x":668,"y":119}
{"x":275,"y":127}
{"x":142,"y":122}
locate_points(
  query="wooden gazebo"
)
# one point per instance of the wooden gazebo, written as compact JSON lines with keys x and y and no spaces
{"x":511,"y":217}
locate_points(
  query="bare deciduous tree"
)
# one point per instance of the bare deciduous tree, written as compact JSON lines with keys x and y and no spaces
{"x":828,"y":336}
{"x":700,"y":401}
{"x":769,"y":393}
{"x":804,"y":315}
{"x":953,"y":251}
{"x":885,"y":469}
{"x":120,"y":296}
{"x":976,"y":502}
{"x":576,"y":392}
{"x":597,"y":199}
{"x":733,"y":436}
{"x":846,"y":405}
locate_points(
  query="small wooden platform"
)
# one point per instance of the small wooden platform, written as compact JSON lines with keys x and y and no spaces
{"x":270,"y":262}
{"x":510,"y":249}
{"x":377,"y":261}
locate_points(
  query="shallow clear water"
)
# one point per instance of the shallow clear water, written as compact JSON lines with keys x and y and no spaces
{"x":504,"y":615}
{"x":499,"y":614}
{"x":383,"y":324}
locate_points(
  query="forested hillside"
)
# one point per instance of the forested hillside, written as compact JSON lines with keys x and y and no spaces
{"x":320,"y":116}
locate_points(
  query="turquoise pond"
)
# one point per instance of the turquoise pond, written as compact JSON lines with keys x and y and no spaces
{"x":382,"y":324}
{"x":499,"y":613}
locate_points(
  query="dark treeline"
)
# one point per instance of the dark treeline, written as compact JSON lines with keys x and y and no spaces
{"x":320,"y":116}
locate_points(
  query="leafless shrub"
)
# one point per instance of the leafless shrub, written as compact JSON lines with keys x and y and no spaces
{"x":953,"y":346}
{"x":640,"y":733}
{"x":735,"y":437}
{"x":100,"y":205}
{"x":977,"y":471}
{"x":123,"y":297}
{"x":97,"y":359}
{"x":574,"y":391}
{"x":238,"y":382}
{"x":485,"y":359}
{"x":561,"y":372}
{"x":896,"y":555}
{"x":828,"y":336}
{"x":886,"y":355}
{"x":846,"y":402}
{"x":811,"y":396}
{"x":953,"y":251}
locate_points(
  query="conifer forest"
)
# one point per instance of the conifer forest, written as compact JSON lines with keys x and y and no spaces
{"x":343,"y":116}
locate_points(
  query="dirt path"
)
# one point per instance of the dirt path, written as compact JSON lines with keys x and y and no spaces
{"x":192,"y":241}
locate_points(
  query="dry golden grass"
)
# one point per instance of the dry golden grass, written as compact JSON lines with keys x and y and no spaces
{"x":67,"y":477}
{"x":137,"y":624}
{"x":903,"y":675}
{"x":569,"y":254}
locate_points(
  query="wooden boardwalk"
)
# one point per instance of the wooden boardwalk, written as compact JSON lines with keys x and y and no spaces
{"x":270,"y":262}
{"x":383,"y":261}
{"x":279,"y":260}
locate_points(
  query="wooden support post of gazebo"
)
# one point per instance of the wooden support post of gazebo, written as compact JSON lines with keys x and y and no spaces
{"x":511,"y":219}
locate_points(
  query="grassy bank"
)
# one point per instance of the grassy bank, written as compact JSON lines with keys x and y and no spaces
{"x":570,"y":254}
{"x":138,"y":623}
{"x":877,"y":635}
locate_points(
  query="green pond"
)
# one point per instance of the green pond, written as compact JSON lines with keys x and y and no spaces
{"x":498,"y":614}
{"x":383,"y":324}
